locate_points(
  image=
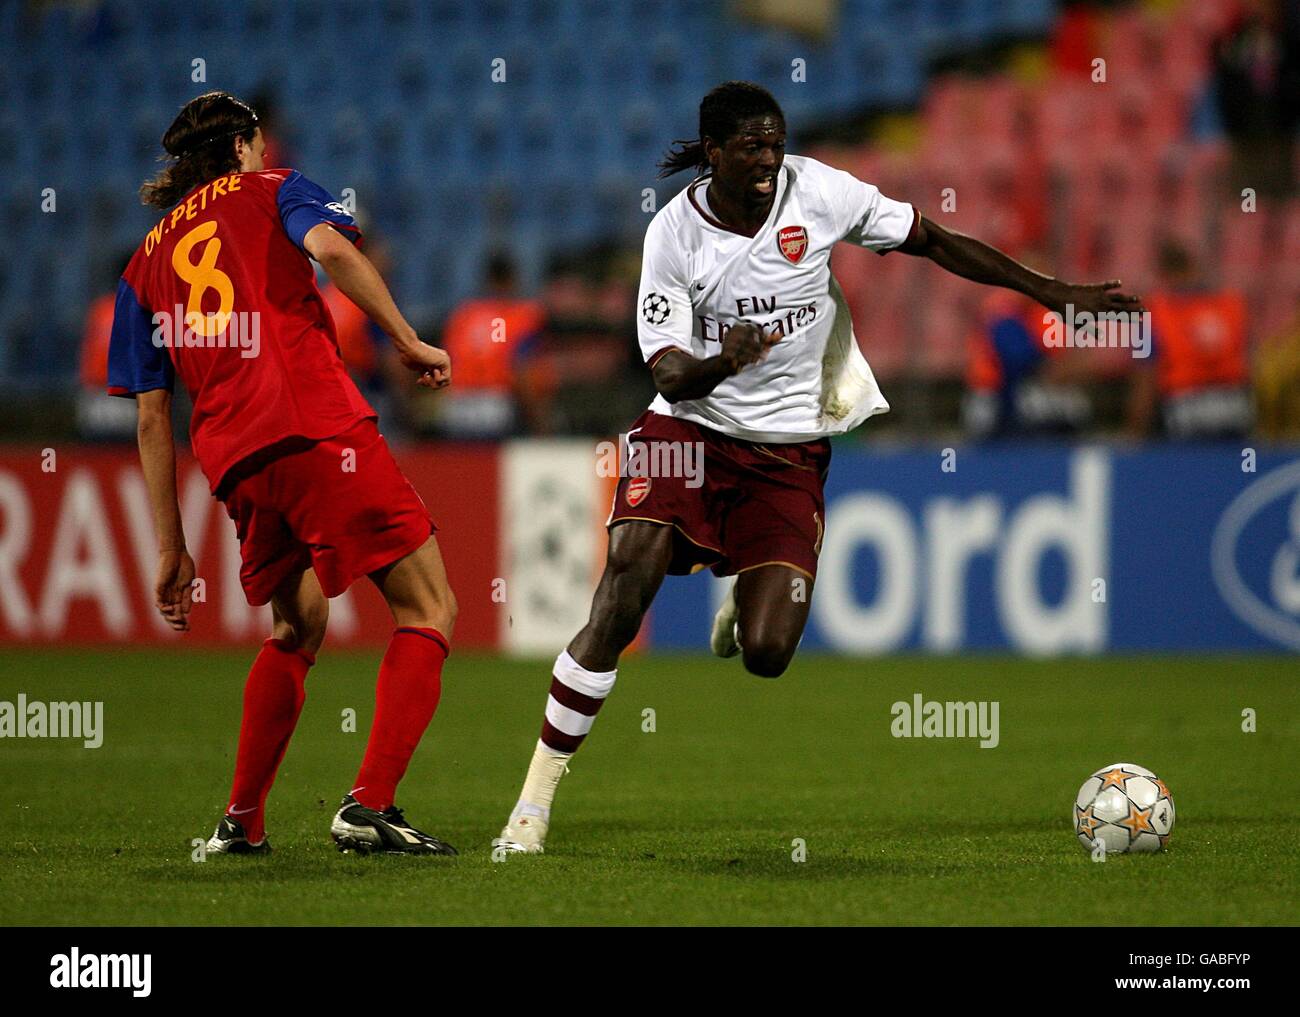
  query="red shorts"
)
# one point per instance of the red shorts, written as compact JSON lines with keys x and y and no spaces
{"x":756,"y":505}
{"x":339,"y":505}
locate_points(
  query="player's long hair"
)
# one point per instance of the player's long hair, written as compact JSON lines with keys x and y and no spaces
{"x":200,"y":146}
{"x":722,"y":112}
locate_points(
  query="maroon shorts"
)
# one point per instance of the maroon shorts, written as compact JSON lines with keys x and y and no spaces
{"x":757,"y":504}
{"x":339,"y":505}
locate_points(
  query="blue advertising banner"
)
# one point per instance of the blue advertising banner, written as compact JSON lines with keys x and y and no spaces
{"x":1044,"y":550}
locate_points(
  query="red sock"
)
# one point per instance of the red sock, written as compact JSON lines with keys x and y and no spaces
{"x":406,"y":696}
{"x":273,"y":698}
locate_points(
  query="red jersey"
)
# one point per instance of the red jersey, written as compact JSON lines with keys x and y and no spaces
{"x":1200,"y":340}
{"x":222,"y":293}
{"x":473,"y":338}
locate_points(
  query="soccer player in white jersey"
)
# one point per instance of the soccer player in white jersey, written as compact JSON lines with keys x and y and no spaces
{"x":752,"y":351}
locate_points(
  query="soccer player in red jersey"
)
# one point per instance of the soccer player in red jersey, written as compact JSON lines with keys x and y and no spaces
{"x":222,"y":293}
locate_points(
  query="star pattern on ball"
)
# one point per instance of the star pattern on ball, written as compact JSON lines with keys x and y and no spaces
{"x":1085,"y":822}
{"x":1137,"y":821}
{"x":1164,"y":791}
{"x":655,"y":308}
{"x":1114,"y":778}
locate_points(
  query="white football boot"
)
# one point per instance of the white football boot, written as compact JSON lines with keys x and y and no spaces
{"x":724,"y":640}
{"x":525,"y":834}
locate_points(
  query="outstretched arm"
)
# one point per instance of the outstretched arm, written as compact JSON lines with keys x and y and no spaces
{"x":975,"y":260}
{"x":359,"y":281}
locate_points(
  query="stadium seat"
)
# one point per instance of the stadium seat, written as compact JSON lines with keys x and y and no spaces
{"x":580,"y":127}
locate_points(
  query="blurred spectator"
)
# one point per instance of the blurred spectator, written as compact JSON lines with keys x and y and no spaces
{"x":356,"y":335}
{"x":584,"y":375}
{"x":98,"y":416}
{"x":1198,"y":373}
{"x":1257,"y":86}
{"x":1277,"y":384}
{"x":486,"y":337}
{"x":1016,"y":385}
{"x":1076,"y":38}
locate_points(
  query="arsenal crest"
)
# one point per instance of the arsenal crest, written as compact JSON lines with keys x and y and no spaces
{"x":637,"y":489}
{"x":793,"y":241}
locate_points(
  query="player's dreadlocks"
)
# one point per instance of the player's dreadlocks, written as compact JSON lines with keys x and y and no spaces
{"x":722,"y":112}
{"x":199,"y":146}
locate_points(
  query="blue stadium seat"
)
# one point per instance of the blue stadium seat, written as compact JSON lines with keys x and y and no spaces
{"x":396,"y":100}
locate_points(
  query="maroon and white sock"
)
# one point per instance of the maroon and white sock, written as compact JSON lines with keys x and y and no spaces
{"x":575,"y":698}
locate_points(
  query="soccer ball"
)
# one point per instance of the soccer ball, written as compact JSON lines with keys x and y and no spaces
{"x":1124,"y":807}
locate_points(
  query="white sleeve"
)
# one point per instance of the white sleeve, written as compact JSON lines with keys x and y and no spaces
{"x":864,"y":216}
{"x":664,"y":301}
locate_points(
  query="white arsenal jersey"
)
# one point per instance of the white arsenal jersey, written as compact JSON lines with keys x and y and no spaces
{"x":698,"y":278}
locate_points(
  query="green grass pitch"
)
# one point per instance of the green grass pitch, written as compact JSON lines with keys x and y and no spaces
{"x":692,"y":823}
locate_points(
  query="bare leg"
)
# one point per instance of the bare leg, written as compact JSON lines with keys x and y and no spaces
{"x":638,"y":558}
{"x":300,"y":611}
{"x":773,"y":603}
{"x":417,"y":590}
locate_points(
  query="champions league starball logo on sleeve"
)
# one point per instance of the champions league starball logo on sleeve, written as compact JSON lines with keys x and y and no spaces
{"x":655,"y":308}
